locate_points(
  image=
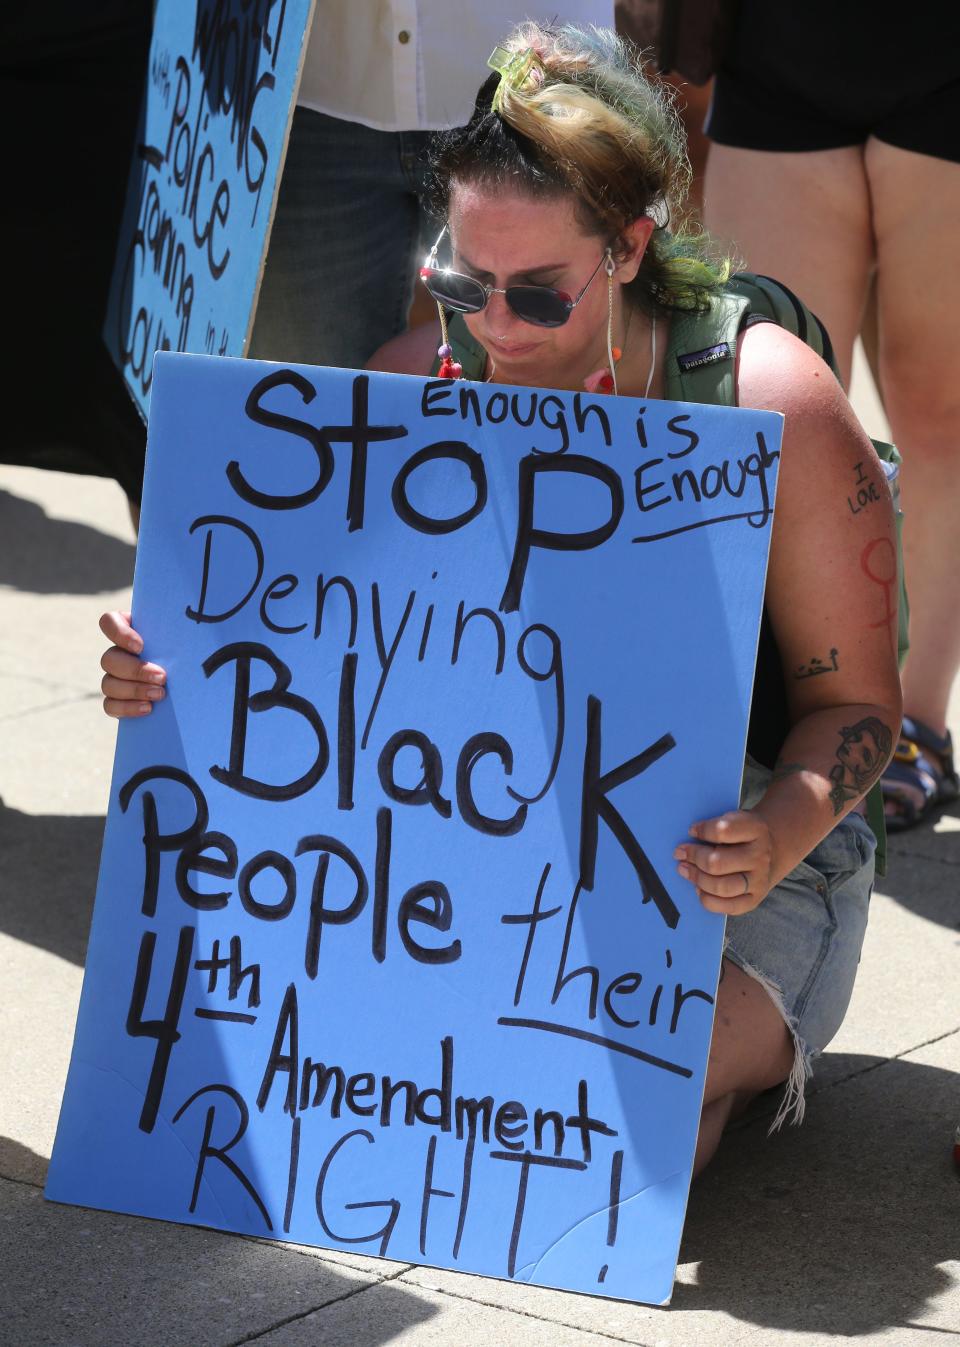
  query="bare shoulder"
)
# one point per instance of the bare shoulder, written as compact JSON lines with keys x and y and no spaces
{"x":411,"y":353}
{"x":776,"y":371}
{"x":821,"y":435}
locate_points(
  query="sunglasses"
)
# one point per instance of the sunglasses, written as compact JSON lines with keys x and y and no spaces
{"x":540,"y":305}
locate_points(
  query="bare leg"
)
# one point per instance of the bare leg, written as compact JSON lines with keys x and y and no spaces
{"x":870,"y":336}
{"x":751,"y":1050}
{"x":803,"y":219}
{"x":916,"y":205}
{"x":713,"y":1120}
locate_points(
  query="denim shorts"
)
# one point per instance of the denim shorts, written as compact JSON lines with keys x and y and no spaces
{"x":803,"y":941}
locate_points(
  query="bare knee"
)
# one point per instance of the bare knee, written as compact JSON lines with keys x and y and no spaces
{"x":751,"y":1049}
{"x":915,"y":202}
{"x":922,"y":403}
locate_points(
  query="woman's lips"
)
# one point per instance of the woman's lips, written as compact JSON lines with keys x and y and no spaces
{"x":523,"y":348}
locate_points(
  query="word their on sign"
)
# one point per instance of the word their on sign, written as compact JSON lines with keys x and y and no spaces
{"x":218,"y":100}
{"x":389,"y":951}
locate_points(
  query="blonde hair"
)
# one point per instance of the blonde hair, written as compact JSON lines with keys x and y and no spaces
{"x":576,"y":110}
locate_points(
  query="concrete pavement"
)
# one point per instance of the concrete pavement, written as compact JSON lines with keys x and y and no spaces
{"x":846,"y":1228}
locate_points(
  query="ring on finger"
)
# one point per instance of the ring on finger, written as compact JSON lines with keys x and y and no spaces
{"x":746,"y":883}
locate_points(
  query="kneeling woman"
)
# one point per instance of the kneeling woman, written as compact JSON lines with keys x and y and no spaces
{"x":565,"y":276}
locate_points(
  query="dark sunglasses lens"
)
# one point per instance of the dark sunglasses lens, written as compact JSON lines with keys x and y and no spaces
{"x":453,"y":291}
{"x":539,"y":305}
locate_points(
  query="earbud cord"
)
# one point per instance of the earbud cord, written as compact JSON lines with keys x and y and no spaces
{"x":653,"y":335}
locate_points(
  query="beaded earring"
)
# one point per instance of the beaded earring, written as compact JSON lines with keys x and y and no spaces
{"x":605,"y":380}
{"x":449,"y":368}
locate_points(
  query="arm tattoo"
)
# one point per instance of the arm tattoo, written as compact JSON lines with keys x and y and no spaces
{"x":861,"y":757}
{"x":818,"y":666}
{"x":865,"y":492}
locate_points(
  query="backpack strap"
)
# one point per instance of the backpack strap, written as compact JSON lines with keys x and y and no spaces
{"x":468,"y":352}
{"x":702,"y":354}
{"x":702,"y":351}
{"x":774,"y":301}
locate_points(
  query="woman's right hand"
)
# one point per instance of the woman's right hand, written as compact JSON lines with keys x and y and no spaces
{"x":130,"y":686}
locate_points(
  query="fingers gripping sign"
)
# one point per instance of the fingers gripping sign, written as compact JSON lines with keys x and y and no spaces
{"x":117,"y":627}
{"x":130,"y":685}
{"x":730,"y":864}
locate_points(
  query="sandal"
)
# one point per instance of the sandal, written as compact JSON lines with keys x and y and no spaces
{"x":923,"y":762}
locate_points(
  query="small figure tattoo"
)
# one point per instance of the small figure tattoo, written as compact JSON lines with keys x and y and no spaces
{"x":864,"y":749}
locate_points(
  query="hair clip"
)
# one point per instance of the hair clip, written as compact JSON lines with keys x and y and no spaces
{"x":514,"y":69}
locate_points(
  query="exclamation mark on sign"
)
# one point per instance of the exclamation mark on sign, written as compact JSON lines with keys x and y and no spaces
{"x":613,"y":1209}
{"x":292,"y":1174}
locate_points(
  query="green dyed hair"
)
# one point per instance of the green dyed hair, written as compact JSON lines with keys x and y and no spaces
{"x":573,"y":109}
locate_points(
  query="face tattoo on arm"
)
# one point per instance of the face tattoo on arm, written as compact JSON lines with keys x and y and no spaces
{"x":861,"y":757}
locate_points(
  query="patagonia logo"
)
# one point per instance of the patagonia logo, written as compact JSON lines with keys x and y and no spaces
{"x":708,"y":356}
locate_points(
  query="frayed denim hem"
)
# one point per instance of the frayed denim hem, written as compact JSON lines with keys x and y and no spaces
{"x":793,"y":1105}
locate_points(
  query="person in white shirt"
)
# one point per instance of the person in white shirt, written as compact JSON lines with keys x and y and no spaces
{"x":349,"y":230}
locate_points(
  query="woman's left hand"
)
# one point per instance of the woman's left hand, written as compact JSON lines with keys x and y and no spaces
{"x":731,"y":862}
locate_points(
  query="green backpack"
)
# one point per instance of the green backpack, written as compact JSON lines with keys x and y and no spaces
{"x":700,"y":366}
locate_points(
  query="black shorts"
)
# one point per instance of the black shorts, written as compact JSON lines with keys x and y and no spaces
{"x":826,"y":74}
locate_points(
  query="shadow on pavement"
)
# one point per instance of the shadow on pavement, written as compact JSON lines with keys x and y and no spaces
{"x":48,"y":878}
{"x":836,"y":1227}
{"x":57,"y":556}
{"x":20,"y":1163}
{"x":922,"y":870}
{"x":90,"y":1278}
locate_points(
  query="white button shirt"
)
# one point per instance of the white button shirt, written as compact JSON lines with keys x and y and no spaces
{"x":415,"y":65}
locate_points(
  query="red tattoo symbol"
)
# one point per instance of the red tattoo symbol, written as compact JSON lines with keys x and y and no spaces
{"x":878,"y":561}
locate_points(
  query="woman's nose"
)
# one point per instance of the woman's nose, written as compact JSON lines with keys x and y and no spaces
{"x":500,"y":317}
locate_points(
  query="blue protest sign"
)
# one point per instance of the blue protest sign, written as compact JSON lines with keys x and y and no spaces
{"x":206,"y":167}
{"x":389,"y":950}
